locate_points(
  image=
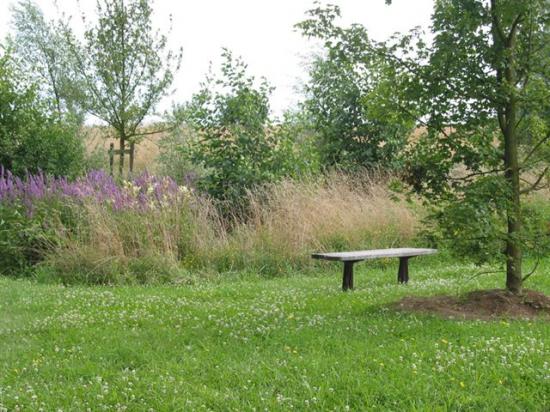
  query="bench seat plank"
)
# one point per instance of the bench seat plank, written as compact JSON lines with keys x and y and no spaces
{"x":373,"y":254}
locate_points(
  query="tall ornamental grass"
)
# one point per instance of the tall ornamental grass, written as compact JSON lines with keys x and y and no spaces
{"x":150,"y":230}
{"x":291,"y":219}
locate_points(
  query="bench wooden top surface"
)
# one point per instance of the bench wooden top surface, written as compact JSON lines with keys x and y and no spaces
{"x":373,"y":254}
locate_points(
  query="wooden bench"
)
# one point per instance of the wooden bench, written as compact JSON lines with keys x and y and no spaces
{"x":349,"y":258}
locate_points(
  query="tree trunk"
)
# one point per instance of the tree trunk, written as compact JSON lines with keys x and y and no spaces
{"x":122,"y":142}
{"x":514,"y":276}
{"x":506,"y":76}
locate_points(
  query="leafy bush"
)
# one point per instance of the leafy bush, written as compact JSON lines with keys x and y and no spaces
{"x":297,"y":134}
{"x":28,"y":235}
{"x":174,"y":158}
{"x":32,"y":139}
{"x":237,"y":145}
{"x":350,"y":97}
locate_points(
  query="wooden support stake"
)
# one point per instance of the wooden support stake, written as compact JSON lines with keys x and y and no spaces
{"x":132,"y":151}
{"x":111,"y":157}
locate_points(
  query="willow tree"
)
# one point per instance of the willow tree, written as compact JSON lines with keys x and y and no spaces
{"x":125,"y":67}
{"x":43,"y":55}
{"x":482,"y":86}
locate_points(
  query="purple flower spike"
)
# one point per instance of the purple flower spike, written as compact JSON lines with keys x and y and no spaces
{"x":144,"y":193}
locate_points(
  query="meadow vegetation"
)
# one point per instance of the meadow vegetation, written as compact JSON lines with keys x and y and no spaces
{"x":187,"y":282}
{"x":244,"y":342}
{"x":150,"y":229}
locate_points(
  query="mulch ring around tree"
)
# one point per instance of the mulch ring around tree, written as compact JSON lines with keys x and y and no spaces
{"x":481,"y":304}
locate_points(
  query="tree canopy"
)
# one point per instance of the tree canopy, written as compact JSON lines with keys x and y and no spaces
{"x":482,"y":91}
{"x":349,"y":96}
{"x":44,"y":56}
{"x":124,"y":66}
{"x":31,"y":138}
{"x":238,"y":145}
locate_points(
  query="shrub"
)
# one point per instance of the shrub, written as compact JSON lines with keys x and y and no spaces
{"x":237,"y":145}
{"x":31,"y":138}
{"x":28,"y":234}
{"x":351,"y":97}
{"x":174,"y":158}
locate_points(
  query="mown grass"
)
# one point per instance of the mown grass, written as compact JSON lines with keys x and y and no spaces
{"x":248,"y":343}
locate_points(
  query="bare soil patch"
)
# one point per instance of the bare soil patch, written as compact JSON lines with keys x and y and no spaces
{"x":481,"y":304}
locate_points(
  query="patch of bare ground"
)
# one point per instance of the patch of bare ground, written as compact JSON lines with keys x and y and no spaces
{"x":481,"y":304}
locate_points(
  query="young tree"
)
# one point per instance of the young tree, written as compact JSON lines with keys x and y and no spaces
{"x":44,"y":55}
{"x":125,"y":68}
{"x":483,"y":90}
{"x":238,"y":145}
{"x":347,"y":96}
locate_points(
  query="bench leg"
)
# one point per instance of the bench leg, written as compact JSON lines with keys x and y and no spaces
{"x":347,"y":282}
{"x":403,"y":273}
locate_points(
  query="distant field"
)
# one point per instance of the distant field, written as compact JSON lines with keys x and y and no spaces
{"x":243,"y":343}
{"x":147,"y":150}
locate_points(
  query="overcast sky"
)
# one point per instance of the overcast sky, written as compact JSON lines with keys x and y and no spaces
{"x":261,"y":31}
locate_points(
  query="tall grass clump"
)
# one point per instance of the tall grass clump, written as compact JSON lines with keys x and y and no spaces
{"x":151,"y":239}
{"x":291,"y":219}
{"x":148,"y":230}
{"x":95,"y":230}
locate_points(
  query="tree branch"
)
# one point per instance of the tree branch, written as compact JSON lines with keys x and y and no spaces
{"x":530,"y":273}
{"x":536,"y":147}
{"x":534,"y":186}
{"x":488,"y":272}
{"x":165,"y":129}
{"x":474,"y":174}
{"x":513,"y":29}
{"x":496,"y":24}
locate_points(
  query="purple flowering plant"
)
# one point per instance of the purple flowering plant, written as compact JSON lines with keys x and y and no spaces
{"x":143,"y":193}
{"x":38,"y":211}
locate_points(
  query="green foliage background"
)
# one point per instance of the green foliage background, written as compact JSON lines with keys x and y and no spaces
{"x":238,"y":146}
{"x":31,"y":138}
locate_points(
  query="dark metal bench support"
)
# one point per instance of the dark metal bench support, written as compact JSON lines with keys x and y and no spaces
{"x":347,"y":282}
{"x":403,"y":273}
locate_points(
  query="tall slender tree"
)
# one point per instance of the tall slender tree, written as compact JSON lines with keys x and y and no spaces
{"x":125,"y":67}
{"x":482,"y":88}
{"x":43,"y":54}
{"x":479,"y":87}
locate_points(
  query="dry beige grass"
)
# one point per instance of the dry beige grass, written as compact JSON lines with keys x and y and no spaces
{"x":111,"y":246}
{"x":292,"y":219}
{"x":289,"y":221}
{"x":354,"y":209}
{"x":97,"y":141}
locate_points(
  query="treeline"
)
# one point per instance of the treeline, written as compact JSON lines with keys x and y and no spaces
{"x":477,"y":94}
{"x":121,"y":69}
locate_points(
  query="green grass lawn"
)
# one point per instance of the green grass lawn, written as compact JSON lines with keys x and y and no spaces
{"x":245,"y":343}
